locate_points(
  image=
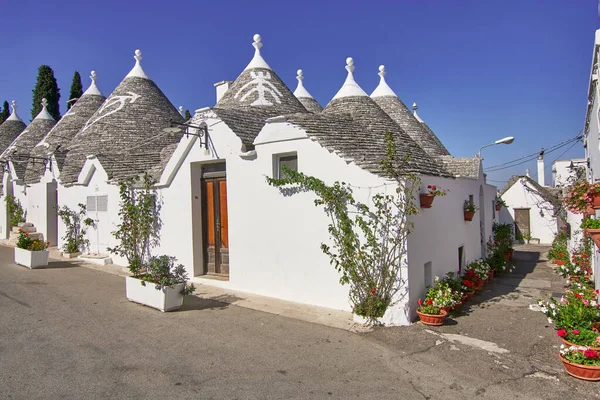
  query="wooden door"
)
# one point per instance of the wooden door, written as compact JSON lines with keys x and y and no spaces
{"x":522,"y":226}
{"x":215,"y":226}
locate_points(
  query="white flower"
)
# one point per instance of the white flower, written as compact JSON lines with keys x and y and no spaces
{"x":552,"y":305}
{"x":593,"y":303}
{"x":550,"y":320}
{"x":544,"y":310}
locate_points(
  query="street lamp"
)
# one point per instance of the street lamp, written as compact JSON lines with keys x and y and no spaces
{"x":506,"y":140}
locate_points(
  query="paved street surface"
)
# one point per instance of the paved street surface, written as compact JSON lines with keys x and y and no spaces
{"x":68,"y":332}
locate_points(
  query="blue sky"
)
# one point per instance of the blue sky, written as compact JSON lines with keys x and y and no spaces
{"x":479,"y":70}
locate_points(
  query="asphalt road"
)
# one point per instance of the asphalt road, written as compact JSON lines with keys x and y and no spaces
{"x":68,"y":332}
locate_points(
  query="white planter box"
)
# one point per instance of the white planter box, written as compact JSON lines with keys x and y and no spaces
{"x":31,"y":259}
{"x":71,"y":255}
{"x":166,"y":299}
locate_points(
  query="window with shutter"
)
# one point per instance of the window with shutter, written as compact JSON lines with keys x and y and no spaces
{"x":91,"y":203}
{"x":102,"y":203}
{"x":288,"y":160}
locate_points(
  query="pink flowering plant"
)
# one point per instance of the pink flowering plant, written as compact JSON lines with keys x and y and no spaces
{"x":436,"y":190}
{"x":579,"y":196}
{"x":571,"y":312}
{"x":580,"y":355}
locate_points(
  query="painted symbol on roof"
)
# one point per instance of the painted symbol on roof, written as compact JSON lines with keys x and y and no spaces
{"x":111,"y":106}
{"x":261,"y":83}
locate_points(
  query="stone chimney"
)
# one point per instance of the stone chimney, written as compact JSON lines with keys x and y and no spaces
{"x":540,"y":168}
{"x":222,"y":88}
{"x":527,"y":172}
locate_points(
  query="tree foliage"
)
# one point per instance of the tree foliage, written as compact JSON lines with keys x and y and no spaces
{"x":188,"y":115}
{"x":139,"y":230}
{"x":46,"y":87}
{"x":5,"y":112}
{"x":76,"y":224}
{"x":15,"y":211}
{"x":76,"y":90}
{"x":368,"y":242}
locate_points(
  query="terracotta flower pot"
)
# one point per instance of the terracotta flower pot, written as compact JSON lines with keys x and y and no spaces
{"x":491,"y":275}
{"x":594,"y":234}
{"x":596,"y":201}
{"x":508,"y":255}
{"x":498,"y":207}
{"x":585,"y":372}
{"x":426,"y":200}
{"x":589,"y":210}
{"x":469,"y":215}
{"x":479,"y":284}
{"x":433,"y":319}
{"x":569,"y":344}
{"x":468,"y":295}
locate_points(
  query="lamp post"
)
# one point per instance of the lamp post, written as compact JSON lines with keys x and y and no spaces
{"x":506,"y":140}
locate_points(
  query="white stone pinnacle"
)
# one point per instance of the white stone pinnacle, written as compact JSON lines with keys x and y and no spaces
{"x":415,"y":107}
{"x":181,"y":110}
{"x":93,"y":89}
{"x":137,"y":68}
{"x":301,"y":91}
{"x":383,"y":88}
{"x":44,"y":114}
{"x":257,"y":61}
{"x":13,"y":116}
{"x":350,"y":88}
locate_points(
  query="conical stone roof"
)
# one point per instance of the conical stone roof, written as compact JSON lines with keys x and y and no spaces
{"x":389,"y":102}
{"x":305,"y":97}
{"x":126,"y":132}
{"x":59,"y":137}
{"x":20,"y":149}
{"x":351,"y":100}
{"x":256,"y":95}
{"x":11,"y":128}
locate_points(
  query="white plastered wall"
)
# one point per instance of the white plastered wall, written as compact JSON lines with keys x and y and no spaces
{"x":543,"y":224}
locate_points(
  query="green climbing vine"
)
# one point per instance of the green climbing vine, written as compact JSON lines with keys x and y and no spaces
{"x":15,"y":211}
{"x":368,"y":243}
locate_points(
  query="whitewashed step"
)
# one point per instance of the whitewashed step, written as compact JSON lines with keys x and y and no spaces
{"x":24,"y":224}
{"x":29,"y":229}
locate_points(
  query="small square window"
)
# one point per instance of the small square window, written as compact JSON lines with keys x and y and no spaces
{"x":290,"y":161}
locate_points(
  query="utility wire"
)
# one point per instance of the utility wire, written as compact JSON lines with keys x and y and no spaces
{"x":530,"y":157}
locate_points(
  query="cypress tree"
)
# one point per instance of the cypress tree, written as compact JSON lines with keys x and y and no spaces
{"x":5,"y":113}
{"x":46,"y":87}
{"x":76,"y":90}
{"x":188,"y":116}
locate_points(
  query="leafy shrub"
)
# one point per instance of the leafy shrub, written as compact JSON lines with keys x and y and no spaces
{"x":15,"y":211}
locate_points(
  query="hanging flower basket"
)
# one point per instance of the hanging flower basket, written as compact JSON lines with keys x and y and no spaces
{"x":585,"y":372}
{"x":433,"y":319}
{"x":594,"y":234}
{"x":469,"y":215}
{"x":427,"y":200}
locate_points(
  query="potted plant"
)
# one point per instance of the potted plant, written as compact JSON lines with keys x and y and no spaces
{"x":581,"y":362}
{"x":75,"y":223}
{"x":430,"y":314}
{"x":443,"y":295}
{"x":469,"y":208}
{"x":31,"y":253}
{"x":592,"y":229}
{"x":161,"y":284}
{"x":432,"y":192}
{"x":500,"y":203}
{"x":137,"y":233}
{"x":503,"y":236}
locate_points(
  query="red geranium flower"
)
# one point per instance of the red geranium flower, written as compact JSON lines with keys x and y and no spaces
{"x":590,"y":354}
{"x":434,"y":187}
{"x":560,"y":254}
{"x":467,"y":283}
{"x":562,"y":333}
{"x":420,"y":302}
{"x":429,"y":301}
{"x":373,"y":291}
{"x":575,"y":332}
